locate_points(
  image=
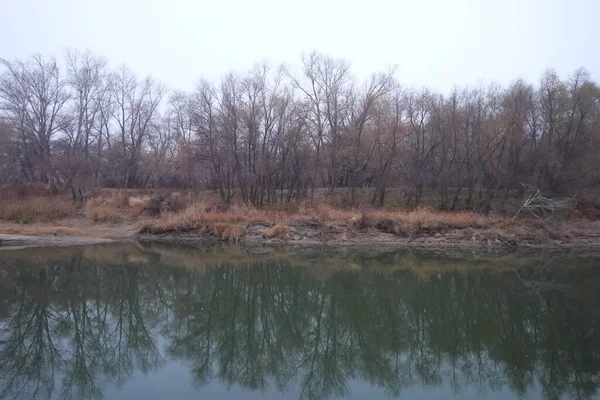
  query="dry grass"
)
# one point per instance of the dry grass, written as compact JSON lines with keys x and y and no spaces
{"x":424,"y":219}
{"x":404,"y":223}
{"x":225,"y":231}
{"x":135,"y":203}
{"x":277,"y":231}
{"x":162,"y":212}
{"x":110,"y":197}
{"x":35,"y":209}
{"x":200,"y":215}
{"x":41,"y":230}
{"x":337,"y":223}
{"x":138,"y":204}
{"x":24,"y":190}
{"x":114,"y":206}
{"x":100,"y":211}
{"x":233,"y":233}
{"x":210,"y":219}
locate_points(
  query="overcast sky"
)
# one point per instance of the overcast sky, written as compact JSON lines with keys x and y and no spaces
{"x":437,"y":43}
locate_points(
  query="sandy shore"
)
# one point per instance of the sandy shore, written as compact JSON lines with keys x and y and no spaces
{"x":67,"y":233}
{"x":20,"y":241}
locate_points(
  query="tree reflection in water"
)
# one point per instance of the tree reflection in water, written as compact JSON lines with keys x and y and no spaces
{"x":73,"y":324}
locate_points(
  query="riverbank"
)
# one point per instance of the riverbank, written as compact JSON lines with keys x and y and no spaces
{"x":303,"y":233}
{"x":501,"y":233}
{"x":41,"y":219}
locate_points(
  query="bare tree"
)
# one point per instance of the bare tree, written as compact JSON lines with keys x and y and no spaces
{"x":421,"y":141}
{"x":362,"y":138}
{"x":32,"y":99}
{"x":135,"y":107}
{"x":10,"y":157}
{"x":389,"y":130}
{"x":86,"y":80}
{"x":325,"y":87}
{"x":211,"y":145}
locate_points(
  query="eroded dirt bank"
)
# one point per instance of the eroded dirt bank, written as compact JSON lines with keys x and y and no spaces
{"x":304,"y":234}
{"x":311,"y":234}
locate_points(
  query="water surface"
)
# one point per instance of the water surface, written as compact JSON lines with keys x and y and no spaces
{"x":161,"y":321}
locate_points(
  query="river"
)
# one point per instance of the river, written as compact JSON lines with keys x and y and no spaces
{"x":160,"y":321}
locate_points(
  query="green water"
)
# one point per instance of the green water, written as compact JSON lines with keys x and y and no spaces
{"x":161,"y":321}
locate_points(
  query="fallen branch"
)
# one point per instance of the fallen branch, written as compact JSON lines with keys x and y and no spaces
{"x":543,"y":205}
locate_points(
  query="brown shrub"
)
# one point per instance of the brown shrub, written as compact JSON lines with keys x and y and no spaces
{"x":137,"y":205}
{"x":580,"y":228}
{"x":277,"y":231}
{"x":102,"y":213}
{"x":123,"y":199}
{"x":154,"y":204}
{"x":290,"y":208}
{"x":400,"y":223}
{"x":367,"y":219}
{"x":217,"y":207}
{"x":111,"y":205}
{"x":427,"y":220}
{"x":400,"y":228}
{"x":218,"y":229}
{"x":199,"y":215}
{"x":110,"y":198}
{"x":233,"y":233}
{"x":51,"y":188}
{"x":324,"y":212}
{"x":24,"y":190}
{"x":227,"y":232}
{"x":586,"y":210}
{"x":175,"y":202}
{"x":33,"y":209}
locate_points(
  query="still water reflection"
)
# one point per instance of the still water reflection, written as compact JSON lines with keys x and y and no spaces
{"x":131,"y":322}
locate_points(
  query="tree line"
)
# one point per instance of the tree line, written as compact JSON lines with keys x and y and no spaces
{"x":275,"y":135}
